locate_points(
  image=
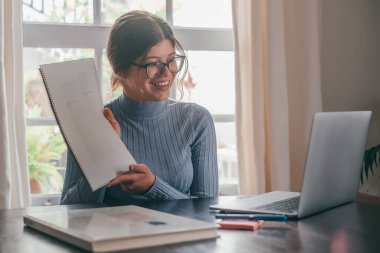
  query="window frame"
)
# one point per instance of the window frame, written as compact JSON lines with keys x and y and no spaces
{"x":54,"y":35}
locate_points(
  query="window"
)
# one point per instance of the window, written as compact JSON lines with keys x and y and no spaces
{"x":49,"y":23}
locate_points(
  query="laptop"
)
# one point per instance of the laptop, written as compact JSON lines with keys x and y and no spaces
{"x":332,"y":170}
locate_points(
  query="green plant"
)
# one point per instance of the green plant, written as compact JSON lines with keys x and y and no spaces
{"x":371,"y":158}
{"x":44,"y":148}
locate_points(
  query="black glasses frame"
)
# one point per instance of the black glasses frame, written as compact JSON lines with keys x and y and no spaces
{"x":164,"y":64}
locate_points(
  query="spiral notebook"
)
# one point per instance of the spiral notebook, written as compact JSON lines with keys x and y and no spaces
{"x":76,"y":101}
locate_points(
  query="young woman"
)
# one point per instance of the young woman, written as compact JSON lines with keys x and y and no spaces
{"x":173,"y":143}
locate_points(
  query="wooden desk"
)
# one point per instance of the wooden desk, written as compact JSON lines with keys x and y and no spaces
{"x":353,"y":227}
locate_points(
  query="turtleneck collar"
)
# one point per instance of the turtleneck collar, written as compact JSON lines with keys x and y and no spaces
{"x":142,"y":110}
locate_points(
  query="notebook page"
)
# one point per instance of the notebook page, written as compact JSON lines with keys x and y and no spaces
{"x":77,"y":104}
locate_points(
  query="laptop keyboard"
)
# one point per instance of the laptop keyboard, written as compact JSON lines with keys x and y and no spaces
{"x":284,"y":206}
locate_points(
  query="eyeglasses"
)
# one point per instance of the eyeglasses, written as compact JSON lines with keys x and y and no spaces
{"x":155,"y":69}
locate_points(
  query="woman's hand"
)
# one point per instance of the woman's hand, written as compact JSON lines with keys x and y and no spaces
{"x":139,"y":178}
{"x":111,"y":119}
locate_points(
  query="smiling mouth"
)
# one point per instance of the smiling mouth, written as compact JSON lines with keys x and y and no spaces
{"x":161,"y":84}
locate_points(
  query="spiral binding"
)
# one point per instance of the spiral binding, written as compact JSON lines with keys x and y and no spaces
{"x":52,"y":105}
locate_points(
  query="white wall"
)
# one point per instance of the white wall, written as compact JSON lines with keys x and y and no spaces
{"x":350,"y":63}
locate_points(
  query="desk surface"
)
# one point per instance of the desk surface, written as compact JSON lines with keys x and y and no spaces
{"x":354,"y":227}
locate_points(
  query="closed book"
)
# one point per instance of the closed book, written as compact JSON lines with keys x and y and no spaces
{"x":119,"y":228}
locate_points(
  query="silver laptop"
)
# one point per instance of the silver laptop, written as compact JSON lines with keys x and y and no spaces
{"x":332,"y":169}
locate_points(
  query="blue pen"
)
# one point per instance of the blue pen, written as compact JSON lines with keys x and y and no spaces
{"x":267,"y":217}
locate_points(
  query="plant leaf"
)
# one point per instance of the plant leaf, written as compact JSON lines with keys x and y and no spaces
{"x":371,"y":158}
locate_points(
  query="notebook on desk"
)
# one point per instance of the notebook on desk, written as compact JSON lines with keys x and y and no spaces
{"x":332,"y":169}
{"x":119,"y":228}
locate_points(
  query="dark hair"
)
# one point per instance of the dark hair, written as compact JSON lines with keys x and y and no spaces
{"x":132,"y":36}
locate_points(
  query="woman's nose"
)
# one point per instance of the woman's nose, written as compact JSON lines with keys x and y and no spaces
{"x":166,"y":71}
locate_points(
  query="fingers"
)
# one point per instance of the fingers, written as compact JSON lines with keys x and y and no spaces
{"x":127,"y":177}
{"x":123,"y":178}
{"x":138,"y":178}
{"x":111,"y":119}
{"x":108,"y":114}
{"x":139,"y":168}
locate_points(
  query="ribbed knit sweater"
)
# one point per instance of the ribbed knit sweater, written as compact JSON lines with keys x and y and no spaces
{"x":175,"y":140}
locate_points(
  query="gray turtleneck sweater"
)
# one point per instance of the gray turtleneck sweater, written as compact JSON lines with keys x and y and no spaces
{"x":176,"y":140}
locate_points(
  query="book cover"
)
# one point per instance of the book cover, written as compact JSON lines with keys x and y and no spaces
{"x":119,"y":228}
{"x":75,"y":98}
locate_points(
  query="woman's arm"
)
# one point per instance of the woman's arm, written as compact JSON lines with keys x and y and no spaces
{"x":140,"y":179}
{"x":162,"y":190}
{"x":76,"y":189}
{"x":204,"y":159}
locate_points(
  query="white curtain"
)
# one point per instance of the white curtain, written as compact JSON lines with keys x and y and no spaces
{"x":278,"y":90}
{"x":14,"y":182}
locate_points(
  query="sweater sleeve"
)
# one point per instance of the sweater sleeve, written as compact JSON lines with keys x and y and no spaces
{"x":204,"y":159}
{"x":162,"y":190}
{"x":76,"y":189}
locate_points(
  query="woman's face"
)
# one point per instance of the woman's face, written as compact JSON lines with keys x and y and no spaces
{"x":139,"y":87}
